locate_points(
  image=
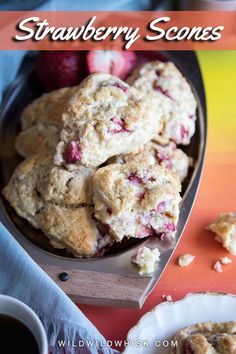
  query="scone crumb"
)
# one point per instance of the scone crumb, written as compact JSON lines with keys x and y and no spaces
{"x":225,"y":260}
{"x":146,"y":258}
{"x":167,"y":298}
{"x":217,"y":267}
{"x":185,"y":260}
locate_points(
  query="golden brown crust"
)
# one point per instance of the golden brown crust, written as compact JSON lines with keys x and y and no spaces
{"x":207,"y":338}
{"x":73,"y":228}
{"x":38,"y":139}
{"x":55,"y":201}
{"x":47,"y":109}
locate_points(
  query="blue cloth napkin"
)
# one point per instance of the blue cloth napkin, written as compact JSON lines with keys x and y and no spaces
{"x":22,"y":278}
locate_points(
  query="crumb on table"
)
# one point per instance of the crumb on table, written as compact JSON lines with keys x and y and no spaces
{"x":185,"y":260}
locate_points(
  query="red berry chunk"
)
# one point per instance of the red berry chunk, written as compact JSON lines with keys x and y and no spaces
{"x":160,"y":207}
{"x":72,"y":152}
{"x":170,"y":226}
{"x":164,"y":92}
{"x":109,"y":211}
{"x":120,"y":123}
{"x":183,"y":132}
{"x":135,"y":179}
{"x":120,"y":86}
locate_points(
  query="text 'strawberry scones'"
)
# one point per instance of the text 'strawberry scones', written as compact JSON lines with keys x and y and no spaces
{"x":57,"y":202}
{"x":41,"y":123}
{"x":165,"y":155}
{"x":206,"y":338}
{"x":175,"y":97}
{"x":225,"y":229}
{"x":103,"y":118}
{"x":137,"y":200}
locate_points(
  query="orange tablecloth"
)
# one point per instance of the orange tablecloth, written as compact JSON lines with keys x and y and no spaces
{"x":217,"y":193}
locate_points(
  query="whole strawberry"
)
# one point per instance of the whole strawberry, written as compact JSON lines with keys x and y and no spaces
{"x":56,"y":69}
{"x":114,"y":62}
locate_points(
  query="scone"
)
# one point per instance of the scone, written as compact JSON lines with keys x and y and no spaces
{"x":41,"y":123}
{"x":225,"y":229}
{"x":38,"y":139}
{"x":105,"y":117}
{"x":47,"y":109}
{"x":57,"y":202}
{"x":137,"y":200}
{"x":165,"y":155}
{"x":206,"y":338}
{"x":175,"y":96}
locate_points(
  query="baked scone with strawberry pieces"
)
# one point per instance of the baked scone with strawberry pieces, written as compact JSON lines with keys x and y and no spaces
{"x":38,"y":139}
{"x":206,"y":338}
{"x":41,"y":123}
{"x":137,"y":200}
{"x":225,"y":229}
{"x":165,"y":155}
{"x":175,"y":97}
{"x":58,"y":202}
{"x":105,"y":117}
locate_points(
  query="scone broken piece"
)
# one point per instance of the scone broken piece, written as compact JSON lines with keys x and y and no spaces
{"x":225,"y":229}
{"x":185,"y":260}
{"x":41,"y":123}
{"x":146,"y":259}
{"x":105,"y":117}
{"x":57,"y":202}
{"x":175,"y":97}
{"x":165,"y":155}
{"x":225,"y":260}
{"x":137,"y":200}
{"x":206,"y":338}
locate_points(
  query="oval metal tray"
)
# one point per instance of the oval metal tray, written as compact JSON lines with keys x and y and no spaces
{"x":117,"y":259}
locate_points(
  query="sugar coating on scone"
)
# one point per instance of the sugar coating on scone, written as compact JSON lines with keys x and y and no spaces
{"x":137,"y":200}
{"x":105,"y":117}
{"x":58,"y":202}
{"x":206,"y":338}
{"x":145,"y":259}
{"x":175,"y":98}
{"x":225,"y":229}
{"x":38,"y":139}
{"x":165,"y":155}
{"x":47,"y":109}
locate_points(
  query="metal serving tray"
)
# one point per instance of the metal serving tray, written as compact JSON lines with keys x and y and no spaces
{"x":110,"y":280}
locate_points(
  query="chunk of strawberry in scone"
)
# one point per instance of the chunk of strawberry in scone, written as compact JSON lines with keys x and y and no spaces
{"x":175,"y":97}
{"x":165,"y":155}
{"x":105,"y":117}
{"x":117,"y":191}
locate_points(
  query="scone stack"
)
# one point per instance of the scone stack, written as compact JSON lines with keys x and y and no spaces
{"x":102,"y":161}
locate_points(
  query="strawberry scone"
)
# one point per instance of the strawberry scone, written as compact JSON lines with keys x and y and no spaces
{"x":58,"y":202}
{"x":225,"y":229}
{"x":137,"y":200}
{"x":105,"y":117}
{"x":206,"y":338}
{"x":175,"y":97}
{"x":41,"y":123}
{"x":165,"y":155}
